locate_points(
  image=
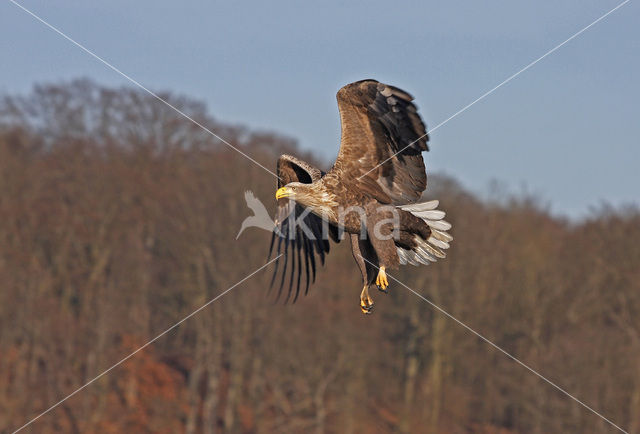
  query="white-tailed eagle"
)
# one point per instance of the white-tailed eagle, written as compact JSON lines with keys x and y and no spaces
{"x":370,"y":193}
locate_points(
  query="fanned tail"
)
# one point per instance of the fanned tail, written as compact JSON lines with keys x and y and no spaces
{"x":434,"y":247}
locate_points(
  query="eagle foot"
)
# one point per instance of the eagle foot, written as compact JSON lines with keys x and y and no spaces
{"x":386,"y":291}
{"x":366,"y":302}
{"x":381,"y":280}
{"x":366,"y":309}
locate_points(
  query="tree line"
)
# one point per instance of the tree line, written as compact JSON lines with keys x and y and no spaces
{"x":118,"y":218}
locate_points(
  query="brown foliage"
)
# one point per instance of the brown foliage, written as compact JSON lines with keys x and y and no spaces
{"x":119,"y":217}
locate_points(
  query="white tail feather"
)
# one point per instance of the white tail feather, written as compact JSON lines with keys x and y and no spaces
{"x":442,"y":236}
{"x":440,"y":225}
{"x":438,"y":243}
{"x":435,"y":214}
{"x":429,"y":250}
{"x":411,"y":257}
{"x":423,"y":259}
{"x":424,"y":206}
{"x":426,"y":255}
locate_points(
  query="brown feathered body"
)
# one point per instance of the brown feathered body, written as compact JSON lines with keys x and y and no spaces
{"x":379,"y":171}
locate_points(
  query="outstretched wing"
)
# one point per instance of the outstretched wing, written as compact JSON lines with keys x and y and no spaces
{"x":294,"y":242}
{"x":382,"y":142}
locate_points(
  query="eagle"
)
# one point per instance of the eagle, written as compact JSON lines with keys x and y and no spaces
{"x":369,"y":195}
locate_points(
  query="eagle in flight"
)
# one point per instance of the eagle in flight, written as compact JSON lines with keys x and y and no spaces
{"x":371,"y":193}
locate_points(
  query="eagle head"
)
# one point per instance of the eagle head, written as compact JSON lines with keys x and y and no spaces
{"x":305,"y":194}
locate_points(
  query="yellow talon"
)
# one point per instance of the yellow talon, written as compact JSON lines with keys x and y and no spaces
{"x":366,"y":303}
{"x":381,"y":280}
{"x":366,"y":306}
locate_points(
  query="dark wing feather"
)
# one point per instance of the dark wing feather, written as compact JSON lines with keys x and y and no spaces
{"x":379,"y":121}
{"x":297,"y":243}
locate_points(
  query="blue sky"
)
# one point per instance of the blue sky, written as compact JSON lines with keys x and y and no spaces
{"x":566,"y":129}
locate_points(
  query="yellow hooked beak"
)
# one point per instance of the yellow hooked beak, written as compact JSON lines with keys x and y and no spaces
{"x":284,"y":192}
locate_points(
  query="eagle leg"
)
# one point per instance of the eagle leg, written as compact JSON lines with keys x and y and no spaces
{"x":361,"y":249}
{"x":366,"y":302}
{"x":380,"y":227}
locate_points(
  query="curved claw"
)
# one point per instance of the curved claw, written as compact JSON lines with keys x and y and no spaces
{"x":381,"y":289}
{"x":366,"y":302}
{"x":366,"y":309}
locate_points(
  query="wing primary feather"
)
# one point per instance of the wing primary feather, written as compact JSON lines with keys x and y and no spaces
{"x":305,"y":252}
{"x":306,"y":265}
{"x":275,"y":270}
{"x":318,"y":240}
{"x":312,"y":259}
{"x":326,"y":245}
{"x":293,"y":269}
{"x":284,"y":268}
{"x":273,"y":239}
{"x":298,"y":249}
